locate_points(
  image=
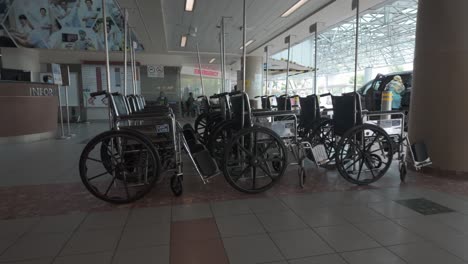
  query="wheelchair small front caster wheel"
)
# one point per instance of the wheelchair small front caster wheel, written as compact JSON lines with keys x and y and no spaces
{"x":302,"y":177}
{"x":176,"y":185}
{"x":403,"y":171}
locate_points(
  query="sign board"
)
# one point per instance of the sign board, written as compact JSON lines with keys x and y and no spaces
{"x":155,"y":71}
{"x":206,"y":73}
{"x":211,"y":72}
{"x":57,"y":74}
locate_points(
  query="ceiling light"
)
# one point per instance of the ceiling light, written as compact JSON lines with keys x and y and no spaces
{"x":189,"y":5}
{"x":294,"y":8}
{"x":183,"y":41}
{"x":212,"y":60}
{"x":248,"y":43}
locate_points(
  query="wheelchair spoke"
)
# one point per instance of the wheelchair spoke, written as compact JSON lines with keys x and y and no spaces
{"x":361,"y":164}
{"x":267,"y":148}
{"x":266,"y":171}
{"x":245,"y":150}
{"x":110,"y":186}
{"x":99,"y":175}
{"x":96,"y":160}
{"x":352,"y":164}
{"x":368,"y":147}
{"x":372,"y":172}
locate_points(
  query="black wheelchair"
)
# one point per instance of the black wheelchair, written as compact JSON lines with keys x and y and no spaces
{"x":363,"y":144}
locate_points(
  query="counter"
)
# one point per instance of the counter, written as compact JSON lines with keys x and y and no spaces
{"x":28,"y":111}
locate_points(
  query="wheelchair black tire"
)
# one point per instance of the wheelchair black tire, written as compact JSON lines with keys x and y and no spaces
{"x":107,"y":137}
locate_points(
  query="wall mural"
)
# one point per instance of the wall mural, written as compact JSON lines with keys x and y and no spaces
{"x":61,"y":24}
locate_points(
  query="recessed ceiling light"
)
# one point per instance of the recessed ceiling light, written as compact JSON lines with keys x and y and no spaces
{"x":183,"y":41}
{"x":294,"y":8}
{"x":248,"y":43}
{"x":212,"y":60}
{"x":189,"y":5}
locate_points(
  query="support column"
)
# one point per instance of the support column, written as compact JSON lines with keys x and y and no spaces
{"x":368,"y":74}
{"x":254,"y":76}
{"x":439,"y":107}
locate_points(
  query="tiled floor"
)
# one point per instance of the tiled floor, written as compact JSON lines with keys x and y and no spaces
{"x":48,"y":217}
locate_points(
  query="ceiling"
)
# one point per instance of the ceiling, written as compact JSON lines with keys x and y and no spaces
{"x":146,"y":19}
{"x":263,"y":17}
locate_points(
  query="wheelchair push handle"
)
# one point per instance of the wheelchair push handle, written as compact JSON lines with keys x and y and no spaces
{"x":98,"y":93}
{"x":234,"y":93}
{"x":326,"y":94}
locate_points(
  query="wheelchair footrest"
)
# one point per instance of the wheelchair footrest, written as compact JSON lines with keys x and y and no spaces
{"x":205,"y":163}
{"x":320,"y":154}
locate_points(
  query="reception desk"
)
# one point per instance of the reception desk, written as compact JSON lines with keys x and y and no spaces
{"x":28,"y":111}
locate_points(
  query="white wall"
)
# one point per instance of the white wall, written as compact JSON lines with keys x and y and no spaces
{"x":22,"y":59}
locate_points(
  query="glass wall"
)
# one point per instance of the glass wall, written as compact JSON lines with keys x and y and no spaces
{"x":386,"y":44}
{"x":192,"y":84}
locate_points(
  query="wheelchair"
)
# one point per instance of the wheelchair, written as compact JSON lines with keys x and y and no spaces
{"x":141,"y":149}
{"x":363,"y":148}
{"x":257,"y":144}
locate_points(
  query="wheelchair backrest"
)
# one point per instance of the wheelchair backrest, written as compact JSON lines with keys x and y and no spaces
{"x":119,"y":106}
{"x":272,"y":102}
{"x":310,"y":111}
{"x":237,"y":111}
{"x":225,"y":105}
{"x":284,"y":103}
{"x":346,"y":112}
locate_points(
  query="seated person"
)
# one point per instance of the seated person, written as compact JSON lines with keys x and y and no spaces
{"x":162,"y":99}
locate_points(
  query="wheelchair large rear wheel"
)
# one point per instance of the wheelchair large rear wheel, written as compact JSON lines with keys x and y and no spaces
{"x":249,"y":159}
{"x":218,"y":140}
{"x":363,"y":156}
{"x":119,"y":166}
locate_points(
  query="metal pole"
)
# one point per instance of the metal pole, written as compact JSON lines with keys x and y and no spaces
{"x":106,"y":45}
{"x":61,"y":114}
{"x":200,"y":70}
{"x":132,"y":66}
{"x":223,"y":41}
{"x":266,"y":70}
{"x":244,"y":57}
{"x":221,"y":61}
{"x":356,"y":51}
{"x":288,"y":38}
{"x":125,"y":50}
{"x":67,"y":104}
{"x":135,"y":84}
{"x":315,"y":62}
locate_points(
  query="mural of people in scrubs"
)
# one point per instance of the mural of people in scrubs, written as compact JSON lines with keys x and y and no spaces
{"x":84,"y":43}
{"x":60,"y":24}
{"x":89,"y":15}
{"x":44,"y":22}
